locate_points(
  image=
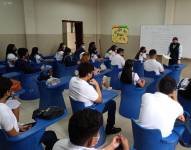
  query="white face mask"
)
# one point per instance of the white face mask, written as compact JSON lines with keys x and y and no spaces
{"x":83,"y":46}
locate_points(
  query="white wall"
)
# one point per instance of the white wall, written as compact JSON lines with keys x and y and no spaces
{"x":11,"y":16}
{"x":131,"y":12}
{"x":50,"y":13}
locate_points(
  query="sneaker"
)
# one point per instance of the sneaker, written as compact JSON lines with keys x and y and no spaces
{"x":113,"y":130}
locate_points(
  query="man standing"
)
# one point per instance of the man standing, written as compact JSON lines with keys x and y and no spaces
{"x":175,"y":52}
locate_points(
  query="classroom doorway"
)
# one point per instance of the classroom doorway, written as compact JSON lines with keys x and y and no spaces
{"x":72,"y":33}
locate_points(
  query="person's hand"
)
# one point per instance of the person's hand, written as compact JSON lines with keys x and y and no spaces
{"x":25,"y":128}
{"x":116,"y":141}
{"x":93,"y":82}
{"x":124,"y":142}
{"x":182,"y":118}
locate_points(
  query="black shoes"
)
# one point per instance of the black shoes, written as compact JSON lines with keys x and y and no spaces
{"x":112,"y":130}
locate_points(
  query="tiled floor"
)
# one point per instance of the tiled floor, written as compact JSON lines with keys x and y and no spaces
{"x":60,"y":128}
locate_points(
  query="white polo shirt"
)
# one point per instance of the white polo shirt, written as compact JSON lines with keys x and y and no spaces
{"x":153,"y":65}
{"x":10,"y":58}
{"x":82,"y":91}
{"x":8,"y":120}
{"x":118,"y":60}
{"x":159,"y":111}
{"x":38,"y":58}
{"x":59,"y":55}
{"x":65,"y":144}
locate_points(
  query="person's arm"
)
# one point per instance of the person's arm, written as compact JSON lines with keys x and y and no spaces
{"x":12,"y":132}
{"x":180,"y":54}
{"x":95,"y":83}
{"x":141,"y":83}
{"x":161,"y":68}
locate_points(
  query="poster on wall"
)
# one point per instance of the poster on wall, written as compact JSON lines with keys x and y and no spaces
{"x":120,"y":34}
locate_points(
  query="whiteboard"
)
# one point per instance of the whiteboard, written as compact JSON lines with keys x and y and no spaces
{"x":159,"y":37}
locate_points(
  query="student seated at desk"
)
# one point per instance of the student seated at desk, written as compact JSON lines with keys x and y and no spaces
{"x":152,"y":64}
{"x":23,"y":63}
{"x":8,"y":121}
{"x":60,"y":52}
{"x":118,"y":59}
{"x":94,"y":54}
{"x":68,"y":58}
{"x":82,"y":89}
{"x":11,"y":55}
{"x":141,"y":55}
{"x":161,"y":109}
{"x":83,"y":131}
{"x":78,"y":51}
{"x":184,"y":88}
{"x":35,"y":56}
{"x":128,"y":76}
{"x":11,"y":102}
{"x":112,"y":51}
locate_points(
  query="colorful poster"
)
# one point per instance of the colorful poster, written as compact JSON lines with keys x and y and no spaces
{"x":120,"y":34}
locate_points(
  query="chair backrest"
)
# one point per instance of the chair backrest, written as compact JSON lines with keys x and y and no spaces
{"x":130,"y":100}
{"x":115,"y":82}
{"x":147,"y":139}
{"x":77,"y":106}
{"x":50,"y":96}
{"x":107,"y":63}
{"x":138,"y":67}
{"x":96,"y":64}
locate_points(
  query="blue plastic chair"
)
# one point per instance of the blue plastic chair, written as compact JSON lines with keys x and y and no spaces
{"x":61,"y":70}
{"x":96,"y":64}
{"x":138,"y":67}
{"x":151,"y":139}
{"x":107,"y":63}
{"x":13,"y":75}
{"x":115,"y":82}
{"x":77,"y":106}
{"x":2,"y":68}
{"x":99,"y":76}
{"x":51,"y":96}
{"x":176,"y":71}
{"x":28,"y":82}
{"x":29,"y":140}
{"x":152,"y":88}
{"x":130,"y":101}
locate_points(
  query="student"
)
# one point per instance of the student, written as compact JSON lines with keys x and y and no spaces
{"x":128,"y":76}
{"x":175,"y":52}
{"x":78,"y":51}
{"x":111,"y":52}
{"x":82,"y":89}
{"x":85,"y":57}
{"x":161,"y":109}
{"x":60,"y":52}
{"x":141,"y":55}
{"x":35,"y":56}
{"x":152,"y":64}
{"x":11,"y":55}
{"x":8,"y":121}
{"x":23,"y":64}
{"x":12,"y":103}
{"x":94,"y":54}
{"x":184,"y":88}
{"x":83,"y":131}
{"x":68,"y":58}
{"x":118,"y":59}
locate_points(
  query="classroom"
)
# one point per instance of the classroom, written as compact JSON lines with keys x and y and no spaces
{"x":95,"y":75}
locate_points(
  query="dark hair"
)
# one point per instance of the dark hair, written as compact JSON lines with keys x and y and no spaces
{"x":187,"y":92}
{"x":22,"y":52}
{"x":119,"y":50}
{"x":152,"y":52}
{"x":126,"y":75}
{"x":5,"y":85}
{"x":92,"y":48}
{"x":60,"y":47}
{"x":83,"y":125}
{"x":141,"y":50}
{"x":67,"y":51}
{"x":113,"y":48}
{"x":10,"y":50}
{"x":167,"y":85}
{"x":84,"y":69}
{"x":34,"y":52}
{"x":175,"y":38}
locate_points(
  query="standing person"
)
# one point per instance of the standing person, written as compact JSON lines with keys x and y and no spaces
{"x":83,"y":131}
{"x":141,"y":55}
{"x":11,"y":55}
{"x":175,"y":52}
